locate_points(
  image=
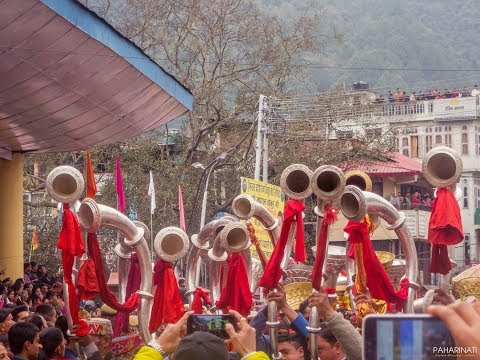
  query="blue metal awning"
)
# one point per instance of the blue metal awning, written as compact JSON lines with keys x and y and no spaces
{"x":68,"y":80}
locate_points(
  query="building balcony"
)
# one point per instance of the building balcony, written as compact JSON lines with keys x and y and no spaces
{"x":451,"y":109}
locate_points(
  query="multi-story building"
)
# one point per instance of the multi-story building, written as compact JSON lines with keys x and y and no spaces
{"x":419,"y":126}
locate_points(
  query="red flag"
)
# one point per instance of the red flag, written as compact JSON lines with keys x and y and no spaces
{"x":119,"y":186}
{"x":91,"y":185}
{"x":180,"y":208}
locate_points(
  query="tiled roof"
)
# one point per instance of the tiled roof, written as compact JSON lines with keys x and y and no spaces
{"x":395,"y":164}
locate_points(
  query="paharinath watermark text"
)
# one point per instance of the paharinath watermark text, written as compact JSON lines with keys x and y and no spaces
{"x":466,"y":351}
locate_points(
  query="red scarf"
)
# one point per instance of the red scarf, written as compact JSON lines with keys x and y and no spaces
{"x":273,"y":272}
{"x":71,"y":243}
{"x":197,"y":305}
{"x":329,"y":217}
{"x":236,"y":294}
{"x":377,"y":280}
{"x":167,"y":303}
{"x":445,"y":228}
{"x":105,"y":293}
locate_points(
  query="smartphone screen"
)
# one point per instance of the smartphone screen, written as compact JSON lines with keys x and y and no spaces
{"x":400,"y":337}
{"x":214,"y":324}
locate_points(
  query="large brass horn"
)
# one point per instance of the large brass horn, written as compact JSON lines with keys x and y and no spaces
{"x":359,"y":179}
{"x":295,"y":181}
{"x":356,"y":203}
{"x":93,"y":215}
{"x":245,"y":207}
{"x":442,"y":167}
{"x":233,"y":238}
{"x":65,"y":184}
{"x":328,"y":182}
{"x":171,"y":244}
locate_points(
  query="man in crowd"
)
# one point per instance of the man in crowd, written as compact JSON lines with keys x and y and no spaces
{"x":101,"y":332}
{"x":23,"y":339}
{"x":290,"y":346}
{"x":48,"y":312}
{"x":20,"y":313}
{"x":6,"y":321}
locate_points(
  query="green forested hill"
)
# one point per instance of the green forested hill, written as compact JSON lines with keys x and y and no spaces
{"x":425,"y":34}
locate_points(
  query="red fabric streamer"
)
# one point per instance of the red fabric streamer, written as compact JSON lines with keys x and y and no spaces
{"x":133,"y":285}
{"x":445,"y":228}
{"x":200,"y":295}
{"x":71,"y":243}
{"x":378,"y":282}
{"x":90,"y":176}
{"x":87,"y":281}
{"x":236,"y":294}
{"x":273,"y":272}
{"x":167,"y":303}
{"x":107,"y":296}
{"x":329,"y":217}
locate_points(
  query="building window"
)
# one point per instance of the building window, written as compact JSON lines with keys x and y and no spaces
{"x":406,"y":152}
{"x":464,"y":144}
{"x":477,"y":143}
{"x":448,"y":140}
{"x":428,"y":143}
{"x":404,"y":141}
{"x":465,"y":197}
{"x":466,"y":243}
{"x":438,"y":139}
{"x":397,"y":145}
{"x":464,"y":127}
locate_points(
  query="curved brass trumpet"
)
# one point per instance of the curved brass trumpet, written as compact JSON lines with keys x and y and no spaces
{"x":356,"y":203}
{"x":65,"y":184}
{"x":93,"y":215}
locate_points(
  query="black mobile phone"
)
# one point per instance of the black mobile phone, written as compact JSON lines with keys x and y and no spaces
{"x":214,"y":324}
{"x":406,"y":336}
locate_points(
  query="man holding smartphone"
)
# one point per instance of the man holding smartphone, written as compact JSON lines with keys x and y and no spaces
{"x":207,"y":346}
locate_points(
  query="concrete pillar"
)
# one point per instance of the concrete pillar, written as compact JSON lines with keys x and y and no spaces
{"x":11,"y":216}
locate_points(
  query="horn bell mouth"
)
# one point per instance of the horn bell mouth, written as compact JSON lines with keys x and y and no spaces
{"x":442,"y":167}
{"x":295,"y":181}
{"x":235,"y":237}
{"x":89,"y":215}
{"x":242,"y":206}
{"x":359,"y":179}
{"x":65,"y":184}
{"x":171,"y":244}
{"x":328,"y":182}
{"x":353,"y":203}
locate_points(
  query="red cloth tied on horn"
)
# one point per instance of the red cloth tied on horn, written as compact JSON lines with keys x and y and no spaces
{"x":87,"y":281}
{"x":444,"y":228}
{"x":133,"y":285}
{"x":329,"y":217}
{"x":167,"y":302}
{"x":107,"y":296}
{"x":197,"y":305}
{"x":378,"y":282}
{"x":273,"y":272}
{"x":236,"y":294}
{"x":71,"y":243}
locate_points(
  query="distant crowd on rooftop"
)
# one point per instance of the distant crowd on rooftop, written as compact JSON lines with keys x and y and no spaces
{"x":403,"y":96}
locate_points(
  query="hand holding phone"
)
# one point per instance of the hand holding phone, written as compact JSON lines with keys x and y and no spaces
{"x":405,"y":336}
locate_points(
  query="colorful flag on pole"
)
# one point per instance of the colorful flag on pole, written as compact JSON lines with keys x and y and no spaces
{"x":91,"y":185}
{"x":151,"y":193}
{"x":119,"y":186}
{"x":180,"y":208}
{"x":34,"y":239}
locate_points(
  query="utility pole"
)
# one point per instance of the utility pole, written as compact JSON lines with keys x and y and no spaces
{"x":258,"y":147}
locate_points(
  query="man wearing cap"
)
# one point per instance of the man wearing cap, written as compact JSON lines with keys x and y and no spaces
{"x":202,"y":345}
{"x":101,"y":332}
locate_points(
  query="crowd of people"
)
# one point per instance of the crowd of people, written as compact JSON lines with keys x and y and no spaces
{"x":400,"y":96}
{"x":33,"y":326}
{"x":409,"y":201}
